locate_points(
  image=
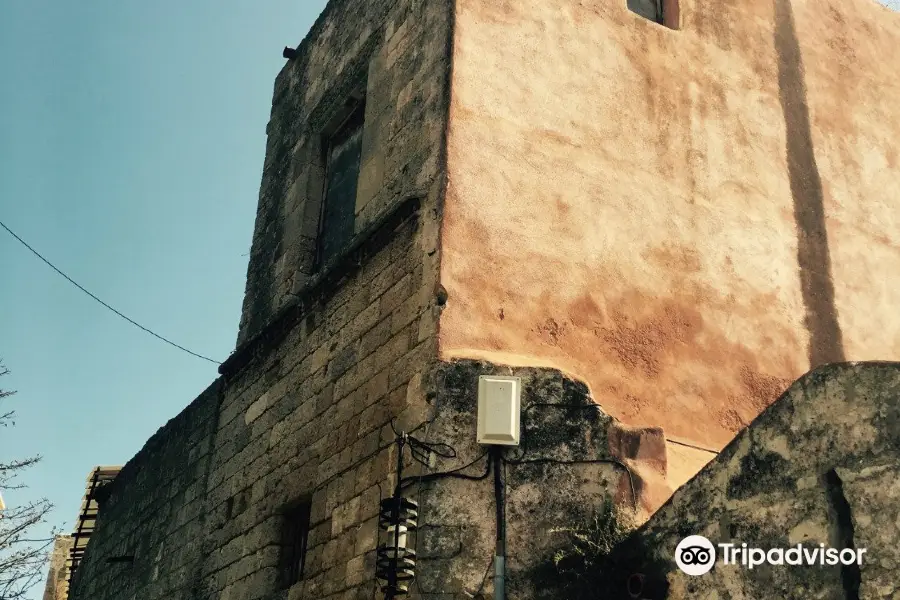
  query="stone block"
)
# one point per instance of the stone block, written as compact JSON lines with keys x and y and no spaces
{"x":375,"y":337}
{"x":367,"y":532}
{"x":257,"y":408}
{"x":395,"y":295}
{"x":356,"y":570}
{"x":371,"y":179}
{"x":344,"y":516}
{"x":392,"y":350}
{"x":342,"y":361}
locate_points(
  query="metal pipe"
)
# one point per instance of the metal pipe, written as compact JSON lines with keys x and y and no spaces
{"x":401,"y":440}
{"x":500,"y":553}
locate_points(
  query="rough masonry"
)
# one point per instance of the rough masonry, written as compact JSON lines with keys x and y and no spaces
{"x":820,"y":466}
{"x":57,"y":585}
{"x":453,"y":182}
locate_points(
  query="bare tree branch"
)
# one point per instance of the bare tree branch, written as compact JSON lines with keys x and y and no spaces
{"x":22,"y":558}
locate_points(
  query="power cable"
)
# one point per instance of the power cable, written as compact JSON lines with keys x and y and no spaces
{"x":686,"y":445}
{"x":455,"y":474}
{"x":524,"y":447}
{"x":73,"y":282}
{"x":484,"y":578}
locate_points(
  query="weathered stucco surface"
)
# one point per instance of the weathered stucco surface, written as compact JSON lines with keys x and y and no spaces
{"x":685,"y":219}
{"x":820,"y":466}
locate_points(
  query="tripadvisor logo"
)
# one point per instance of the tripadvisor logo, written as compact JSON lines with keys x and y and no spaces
{"x":696,"y":555}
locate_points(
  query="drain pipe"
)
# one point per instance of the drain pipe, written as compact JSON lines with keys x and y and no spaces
{"x":500,"y":553}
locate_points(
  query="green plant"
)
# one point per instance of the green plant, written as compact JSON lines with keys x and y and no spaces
{"x":580,"y":567}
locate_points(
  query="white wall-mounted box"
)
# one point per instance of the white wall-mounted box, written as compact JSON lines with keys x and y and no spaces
{"x":499,"y":408}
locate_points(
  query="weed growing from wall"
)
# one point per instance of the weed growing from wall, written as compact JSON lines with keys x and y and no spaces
{"x":576,"y":569}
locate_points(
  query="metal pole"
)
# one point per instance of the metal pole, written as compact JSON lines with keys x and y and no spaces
{"x":392,"y":581}
{"x":500,"y":553}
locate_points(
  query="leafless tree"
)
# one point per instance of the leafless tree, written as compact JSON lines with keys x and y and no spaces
{"x":22,"y":558}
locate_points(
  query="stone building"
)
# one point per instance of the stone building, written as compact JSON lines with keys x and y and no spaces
{"x":656,"y":215}
{"x":68,"y":550}
{"x":688,"y":218}
{"x":86,"y":521}
{"x":57,"y":585}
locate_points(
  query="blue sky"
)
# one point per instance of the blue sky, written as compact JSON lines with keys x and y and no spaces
{"x":132,"y":137}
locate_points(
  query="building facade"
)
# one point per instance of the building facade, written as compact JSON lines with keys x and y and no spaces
{"x":656,"y":215}
{"x":686,"y":217}
{"x":57,"y":585}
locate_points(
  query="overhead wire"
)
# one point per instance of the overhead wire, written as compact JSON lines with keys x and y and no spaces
{"x":80,"y":287}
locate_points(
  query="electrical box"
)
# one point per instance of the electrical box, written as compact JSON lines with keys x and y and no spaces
{"x":499,"y":408}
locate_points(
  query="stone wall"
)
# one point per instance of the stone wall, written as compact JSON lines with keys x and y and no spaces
{"x":328,"y":353}
{"x":302,"y":411}
{"x":395,"y":55}
{"x":566,"y":468}
{"x":820,"y":466}
{"x":307,"y":416}
{"x":57,"y":586}
{"x":198,"y":513}
{"x":333,"y":358}
{"x":147,"y":540}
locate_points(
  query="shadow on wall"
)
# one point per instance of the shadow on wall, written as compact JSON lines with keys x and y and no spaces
{"x":813,"y":257}
{"x":819,"y":468}
{"x":583,"y":568}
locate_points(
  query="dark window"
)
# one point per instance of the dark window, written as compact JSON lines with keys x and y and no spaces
{"x":649,"y":9}
{"x":343,"y":151}
{"x":293,"y":546}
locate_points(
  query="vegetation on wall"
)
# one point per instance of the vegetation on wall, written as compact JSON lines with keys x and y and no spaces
{"x":577,"y":568}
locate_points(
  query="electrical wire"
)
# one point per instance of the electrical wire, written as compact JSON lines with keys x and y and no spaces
{"x":524,"y":447}
{"x":484,"y":578}
{"x":421,"y":451}
{"x":594,"y":461}
{"x":73,"y":282}
{"x":455,"y":473}
{"x":686,"y":445}
{"x":419,"y":502}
